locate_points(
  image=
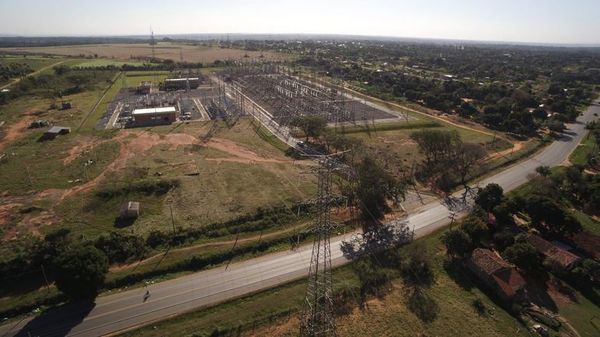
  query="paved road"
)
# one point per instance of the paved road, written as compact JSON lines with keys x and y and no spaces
{"x":113,"y":313}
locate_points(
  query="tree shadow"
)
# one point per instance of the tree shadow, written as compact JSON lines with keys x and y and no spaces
{"x":458,"y":273}
{"x":537,"y":291}
{"x":57,"y":322}
{"x":121,"y":222}
{"x":422,"y":305}
{"x":564,"y":138}
{"x":564,"y":289}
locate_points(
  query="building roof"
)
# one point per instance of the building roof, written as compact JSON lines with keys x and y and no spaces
{"x":510,"y":281}
{"x":154,"y":110}
{"x":502,"y":273}
{"x":182,"y":79}
{"x":588,"y":242}
{"x":564,"y":258}
{"x":58,"y":129}
{"x":488,"y":261}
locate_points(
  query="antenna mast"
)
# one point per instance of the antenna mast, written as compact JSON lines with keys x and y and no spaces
{"x":152,"y":43}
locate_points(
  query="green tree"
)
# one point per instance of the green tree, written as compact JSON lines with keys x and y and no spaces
{"x":80,"y":271}
{"x":458,"y":243}
{"x":476,"y":229}
{"x":549,"y":217}
{"x":489,"y":197}
{"x":374,"y":187}
{"x":311,"y":126}
{"x":465,"y":158}
{"x":523,"y":255}
{"x":436,"y":145}
{"x":544,"y":171}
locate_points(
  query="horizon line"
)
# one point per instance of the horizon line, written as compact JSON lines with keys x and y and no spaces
{"x":290,"y":36}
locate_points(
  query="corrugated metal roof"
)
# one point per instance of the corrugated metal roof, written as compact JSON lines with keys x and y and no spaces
{"x":154,"y":110}
{"x":58,"y":129}
{"x":181,"y":79}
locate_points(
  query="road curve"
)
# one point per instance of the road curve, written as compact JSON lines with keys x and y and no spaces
{"x":113,"y":313}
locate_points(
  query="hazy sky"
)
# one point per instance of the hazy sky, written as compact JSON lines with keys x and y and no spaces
{"x":549,"y":21}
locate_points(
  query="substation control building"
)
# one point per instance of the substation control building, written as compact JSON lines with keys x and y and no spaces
{"x":154,"y":116}
{"x":181,"y":83}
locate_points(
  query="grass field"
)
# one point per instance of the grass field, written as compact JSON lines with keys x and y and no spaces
{"x":587,"y":146}
{"x":393,"y":142}
{"x":233,"y":176}
{"x":163,"y":50}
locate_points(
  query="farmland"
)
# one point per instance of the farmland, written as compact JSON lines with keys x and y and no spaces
{"x":164,"y":50}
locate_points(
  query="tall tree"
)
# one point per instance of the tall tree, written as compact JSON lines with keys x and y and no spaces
{"x":374,"y":187}
{"x":489,"y":197}
{"x":464,"y":158}
{"x":458,"y":243}
{"x":80,"y":271}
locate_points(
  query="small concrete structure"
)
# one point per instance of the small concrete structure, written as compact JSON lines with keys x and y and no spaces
{"x":154,"y":116}
{"x":130,"y":210}
{"x":55,"y":131}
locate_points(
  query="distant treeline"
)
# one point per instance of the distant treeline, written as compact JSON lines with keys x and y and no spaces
{"x":7,"y":42}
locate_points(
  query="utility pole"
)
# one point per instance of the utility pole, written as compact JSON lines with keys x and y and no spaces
{"x":45,"y":278}
{"x":317,"y":319}
{"x":172,"y":218}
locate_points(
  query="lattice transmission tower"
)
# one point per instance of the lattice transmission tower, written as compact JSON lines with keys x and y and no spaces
{"x":317,"y":318}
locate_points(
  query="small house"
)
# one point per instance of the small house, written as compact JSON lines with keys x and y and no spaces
{"x":499,"y":275}
{"x":553,"y":253}
{"x":588,"y":243}
{"x":130,"y":210}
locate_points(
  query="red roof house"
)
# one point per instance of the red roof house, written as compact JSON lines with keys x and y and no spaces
{"x":498,"y":274}
{"x":553,"y":253}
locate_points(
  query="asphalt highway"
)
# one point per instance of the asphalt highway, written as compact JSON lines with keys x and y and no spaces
{"x":111,"y":314}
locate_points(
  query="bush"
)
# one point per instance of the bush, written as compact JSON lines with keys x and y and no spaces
{"x":121,"y":248}
{"x":147,"y":187}
{"x":479,"y":306}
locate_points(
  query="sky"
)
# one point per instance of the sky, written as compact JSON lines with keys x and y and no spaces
{"x":540,"y":21}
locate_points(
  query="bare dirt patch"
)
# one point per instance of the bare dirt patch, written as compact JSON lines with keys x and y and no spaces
{"x":281,"y":328}
{"x":83,"y":145}
{"x":16,"y":130}
{"x":517,"y":146}
{"x":6,"y":211}
{"x":242,"y":155}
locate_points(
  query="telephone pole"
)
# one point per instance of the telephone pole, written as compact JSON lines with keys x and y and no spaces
{"x":317,"y":319}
